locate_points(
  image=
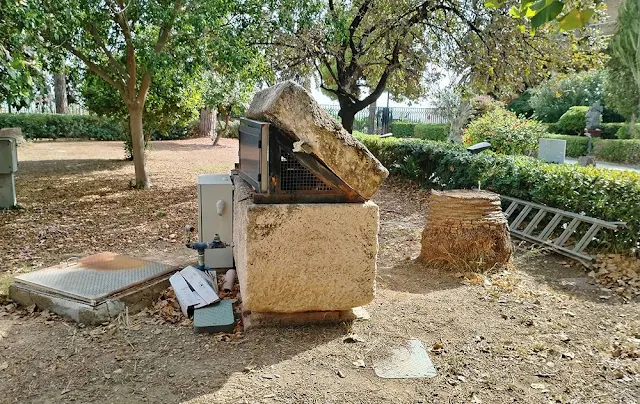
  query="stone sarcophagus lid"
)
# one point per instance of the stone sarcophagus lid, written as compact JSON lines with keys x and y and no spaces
{"x":292,"y":150}
{"x":305,"y":235}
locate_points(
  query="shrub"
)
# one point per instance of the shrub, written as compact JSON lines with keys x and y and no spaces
{"x":601,"y":193}
{"x":426,"y":131}
{"x":623,"y":151}
{"x":483,"y":104}
{"x":554,"y":97}
{"x":402,"y":129}
{"x":431,"y":131}
{"x":234,"y":129}
{"x":52,"y":126}
{"x":573,"y":121}
{"x":610,"y":130}
{"x":507,"y":133}
{"x":521,"y":105}
{"x":623,"y":131}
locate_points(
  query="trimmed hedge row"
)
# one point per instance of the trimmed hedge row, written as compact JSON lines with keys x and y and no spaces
{"x":615,"y":130}
{"x":52,"y":126}
{"x":425,"y":131}
{"x":605,"y":194}
{"x":624,"y":151}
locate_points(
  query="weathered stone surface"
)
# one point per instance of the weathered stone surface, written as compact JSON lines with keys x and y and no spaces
{"x":13,"y":133}
{"x":304,"y":257}
{"x":465,"y":230}
{"x":291,"y":108}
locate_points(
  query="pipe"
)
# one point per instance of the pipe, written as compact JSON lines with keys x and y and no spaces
{"x":229,"y":280}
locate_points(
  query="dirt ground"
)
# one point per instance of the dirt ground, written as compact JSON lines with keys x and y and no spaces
{"x":541,"y":332}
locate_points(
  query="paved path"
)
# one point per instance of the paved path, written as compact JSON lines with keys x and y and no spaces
{"x":602,"y":164}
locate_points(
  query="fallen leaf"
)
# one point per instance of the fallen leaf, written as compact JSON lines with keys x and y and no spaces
{"x":538,"y":386}
{"x":359,"y":363}
{"x":342,"y":375}
{"x":352,"y":338}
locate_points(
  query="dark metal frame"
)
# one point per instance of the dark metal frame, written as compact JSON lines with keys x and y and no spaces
{"x":268,"y":188}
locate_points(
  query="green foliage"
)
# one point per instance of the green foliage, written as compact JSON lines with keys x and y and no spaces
{"x":484,"y":104}
{"x":626,"y":42}
{"x":432,"y":131}
{"x":46,"y":126}
{"x":620,"y":90}
{"x":403,"y":129}
{"x":507,"y":133}
{"x":601,"y":193}
{"x":573,"y":121}
{"x":623,"y":132}
{"x":521,"y":105}
{"x":610,"y":130}
{"x":425,"y":131}
{"x":554,"y":97}
{"x":622,"y":151}
{"x":172,"y":103}
{"x":234,"y":129}
{"x":20,"y":66}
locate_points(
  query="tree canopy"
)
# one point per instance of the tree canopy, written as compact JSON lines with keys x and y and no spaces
{"x":357,"y":49}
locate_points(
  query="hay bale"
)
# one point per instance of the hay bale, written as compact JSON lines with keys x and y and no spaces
{"x":465,"y":230}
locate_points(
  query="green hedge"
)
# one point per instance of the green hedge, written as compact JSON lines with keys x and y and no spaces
{"x":425,"y":131}
{"x":50,"y":126}
{"x":623,"y":151}
{"x":604,"y":194}
{"x":609,"y":130}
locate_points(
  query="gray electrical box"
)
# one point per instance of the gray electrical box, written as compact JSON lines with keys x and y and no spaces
{"x":552,"y":150}
{"x":8,"y":166}
{"x":8,"y":156}
{"x":215,"y":216}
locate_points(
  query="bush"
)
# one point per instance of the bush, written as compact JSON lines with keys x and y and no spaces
{"x":483,"y":104}
{"x":234,"y":129}
{"x":554,"y":97}
{"x":610,"y":130}
{"x":610,"y":150}
{"x":52,"y":126}
{"x":623,"y":131}
{"x":573,"y":121}
{"x":521,"y":105}
{"x":402,"y":129}
{"x":431,"y":131}
{"x":507,"y":133}
{"x":601,"y":193}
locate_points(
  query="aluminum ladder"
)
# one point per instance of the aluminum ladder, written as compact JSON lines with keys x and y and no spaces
{"x":540,"y":224}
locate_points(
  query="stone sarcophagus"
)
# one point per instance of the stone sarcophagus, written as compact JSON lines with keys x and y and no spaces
{"x":305,"y":235}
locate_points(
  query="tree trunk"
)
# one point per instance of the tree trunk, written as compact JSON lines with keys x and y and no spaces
{"x":207,"y":124}
{"x":348,"y":116}
{"x":137,"y":142}
{"x":632,"y":126}
{"x":371,"y":121}
{"x":226,"y":127}
{"x":60,"y":91}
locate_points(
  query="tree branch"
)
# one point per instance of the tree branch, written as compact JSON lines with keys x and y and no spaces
{"x":163,"y":36}
{"x":98,"y":40}
{"x":99,"y":70}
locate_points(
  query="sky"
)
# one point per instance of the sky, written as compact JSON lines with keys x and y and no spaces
{"x":382,"y":101}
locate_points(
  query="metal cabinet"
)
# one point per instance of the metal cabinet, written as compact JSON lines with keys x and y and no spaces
{"x":215,"y":215}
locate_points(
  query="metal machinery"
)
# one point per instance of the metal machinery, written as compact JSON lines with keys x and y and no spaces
{"x":215,"y":221}
{"x":8,"y":166}
{"x":281,"y":171}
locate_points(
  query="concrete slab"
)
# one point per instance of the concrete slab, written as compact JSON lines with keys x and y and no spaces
{"x":254,"y":320}
{"x":132,"y":301}
{"x":94,"y":289}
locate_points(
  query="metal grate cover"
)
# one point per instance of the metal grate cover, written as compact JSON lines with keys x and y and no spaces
{"x":96,"y":277}
{"x":295,"y":177}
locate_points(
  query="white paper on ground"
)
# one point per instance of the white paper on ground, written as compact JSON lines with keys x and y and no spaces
{"x":186,"y":297}
{"x":200,"y":286}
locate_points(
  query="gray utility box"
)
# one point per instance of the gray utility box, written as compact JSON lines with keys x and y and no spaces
{"x":215,"y":216}
{"x":552,"y":150}
{"x":8,"y":166}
